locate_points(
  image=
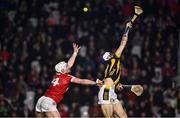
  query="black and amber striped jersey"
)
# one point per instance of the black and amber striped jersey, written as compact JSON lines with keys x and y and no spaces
{"x":113,"y":69}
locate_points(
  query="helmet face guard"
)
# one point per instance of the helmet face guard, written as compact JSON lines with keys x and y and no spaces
{"x":61,"y":67}
{"x":107,"y":56}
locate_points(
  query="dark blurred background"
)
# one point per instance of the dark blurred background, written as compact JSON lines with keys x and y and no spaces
{"x":37,"y":34}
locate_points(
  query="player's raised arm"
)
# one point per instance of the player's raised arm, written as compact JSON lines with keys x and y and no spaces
{"x":86,"y":81}
{"x":124,"y":40}
{"x":73,"y":57}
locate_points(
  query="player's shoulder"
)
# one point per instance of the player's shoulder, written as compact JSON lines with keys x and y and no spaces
{"x":63,"y":75}
{"x":58,"y":74}
{"x":69,"y":76}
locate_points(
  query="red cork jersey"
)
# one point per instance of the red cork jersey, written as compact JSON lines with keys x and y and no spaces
{"x":58,"y":87}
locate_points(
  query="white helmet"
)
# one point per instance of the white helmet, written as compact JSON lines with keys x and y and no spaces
{"x":61,"y":66}
{"x":107,"y":56}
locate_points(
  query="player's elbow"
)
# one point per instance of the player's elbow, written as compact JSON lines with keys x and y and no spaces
{"x":86,"y":82}
{"x":82,"y":81}
{"x":123,"y":44}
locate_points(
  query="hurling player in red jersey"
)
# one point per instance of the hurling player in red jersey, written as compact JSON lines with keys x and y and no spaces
{"x":59,"y":85}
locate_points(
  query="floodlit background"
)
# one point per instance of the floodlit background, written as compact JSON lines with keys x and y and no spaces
{"x":37,"y":34}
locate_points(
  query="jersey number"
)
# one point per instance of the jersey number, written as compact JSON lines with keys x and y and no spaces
{"x":55,"y":81}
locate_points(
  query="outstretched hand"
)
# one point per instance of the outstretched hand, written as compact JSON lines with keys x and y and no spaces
{"x":129,"y":24}
{"x":128,"y":27}
{"x":99,"y":82}
{"x":119,"y":87}
{"x":76,"y":47}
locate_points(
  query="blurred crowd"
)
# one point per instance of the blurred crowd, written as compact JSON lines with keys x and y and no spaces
{"x":37,"y":34}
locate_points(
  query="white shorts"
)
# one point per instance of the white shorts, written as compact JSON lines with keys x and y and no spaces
{"x":45,"y":104}
{"x":107,"y":96}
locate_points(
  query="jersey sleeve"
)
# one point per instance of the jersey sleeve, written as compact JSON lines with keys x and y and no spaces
{"x":117,"y":55}
{"x":67,"y":77}
{"x":71,"y":78}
